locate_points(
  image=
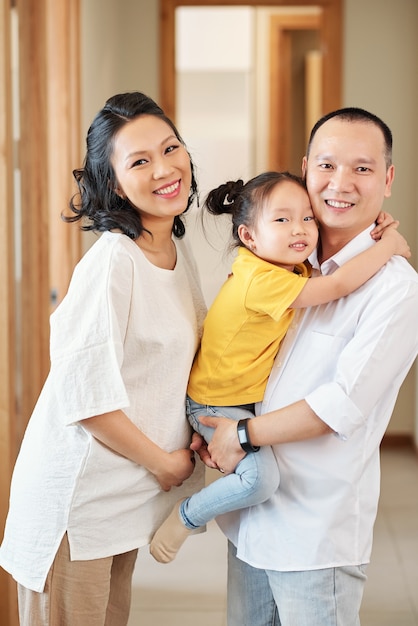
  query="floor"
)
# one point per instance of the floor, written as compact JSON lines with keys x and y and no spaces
{"x":192,"y":589}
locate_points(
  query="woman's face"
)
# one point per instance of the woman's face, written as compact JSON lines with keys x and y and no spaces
{"x":153,"y":169}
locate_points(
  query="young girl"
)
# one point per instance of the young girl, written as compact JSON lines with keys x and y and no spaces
{"x":109,"y":438}
{"x":275,"y":229}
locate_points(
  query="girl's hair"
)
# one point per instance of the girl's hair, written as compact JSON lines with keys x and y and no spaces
{"x":97,"y":200}
{"x":244,"y":202}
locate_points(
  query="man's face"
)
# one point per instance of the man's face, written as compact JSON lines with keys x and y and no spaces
{"x":346,"y":176}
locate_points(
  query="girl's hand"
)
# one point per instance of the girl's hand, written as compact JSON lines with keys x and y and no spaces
{"x":200,"y":446}
{"x":383,"y":221}
{"x":401,"y":246}
{"x":224,"y":448}
{"x":177,"y":467}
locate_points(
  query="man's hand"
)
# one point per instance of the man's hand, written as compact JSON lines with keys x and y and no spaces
{"x":224,"y":449}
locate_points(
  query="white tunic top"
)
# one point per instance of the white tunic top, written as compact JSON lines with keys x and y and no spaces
{"x":124,"y":338}
{"x":348,"y":361}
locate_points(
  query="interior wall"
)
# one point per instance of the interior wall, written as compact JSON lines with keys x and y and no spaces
{"x":120,"y":52}
{"x":214,"y":112}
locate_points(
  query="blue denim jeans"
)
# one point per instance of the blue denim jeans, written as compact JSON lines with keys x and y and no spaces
{"x":323,"y":597}
{"x":255,"y":479}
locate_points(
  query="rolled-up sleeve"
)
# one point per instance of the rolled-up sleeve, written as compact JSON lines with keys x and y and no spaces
{"x":377,"y":357}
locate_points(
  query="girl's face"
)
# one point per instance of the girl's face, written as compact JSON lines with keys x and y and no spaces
{"x":285,"y":232}
{"x":152,"y":169}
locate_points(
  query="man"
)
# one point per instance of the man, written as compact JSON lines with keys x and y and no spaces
{"x":302,"y":555}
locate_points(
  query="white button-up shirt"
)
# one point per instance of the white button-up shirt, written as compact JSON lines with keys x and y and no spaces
{"x":347,"y":359}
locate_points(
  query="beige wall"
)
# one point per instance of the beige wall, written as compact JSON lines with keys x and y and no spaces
{"x":120,"y":52}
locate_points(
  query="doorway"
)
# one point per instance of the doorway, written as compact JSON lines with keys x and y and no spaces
{"x":300,"y":16}
{"x":236,"y":79}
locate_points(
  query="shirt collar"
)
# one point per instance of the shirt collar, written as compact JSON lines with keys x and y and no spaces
{"x":361,"y":242}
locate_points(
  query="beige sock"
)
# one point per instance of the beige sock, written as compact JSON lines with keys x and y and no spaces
{"x":169,"y":537}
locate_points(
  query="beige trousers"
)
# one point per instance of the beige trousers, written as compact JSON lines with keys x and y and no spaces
{"x":81,"y":593}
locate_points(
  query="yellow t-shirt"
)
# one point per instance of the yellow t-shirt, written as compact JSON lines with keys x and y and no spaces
{"x":243,"y":330}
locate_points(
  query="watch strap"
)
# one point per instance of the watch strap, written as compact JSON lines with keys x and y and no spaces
{"x":244,"y":437}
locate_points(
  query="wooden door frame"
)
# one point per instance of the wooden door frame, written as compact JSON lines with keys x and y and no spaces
{"x":331,"y":35}
{"x":48,"y":148}
{"x":64,"y":128}
{"x":8,"y":609}
{"x":280,"y":111}
{"x":49,"y":84}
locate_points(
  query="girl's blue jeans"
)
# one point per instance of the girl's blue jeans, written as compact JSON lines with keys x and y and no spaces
{"x":255,"y":479}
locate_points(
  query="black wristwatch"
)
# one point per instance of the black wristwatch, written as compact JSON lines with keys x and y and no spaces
{"x":244,"y":438}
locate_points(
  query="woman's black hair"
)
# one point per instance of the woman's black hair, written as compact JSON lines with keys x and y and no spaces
{"x":244,"y":202}
{"x":97,"y":201}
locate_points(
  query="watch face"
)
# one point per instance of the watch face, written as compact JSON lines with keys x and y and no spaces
{"x":244,"y":439}
{"x":242,"y":434}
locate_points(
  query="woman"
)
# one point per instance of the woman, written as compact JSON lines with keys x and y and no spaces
{"x":108,"y":438}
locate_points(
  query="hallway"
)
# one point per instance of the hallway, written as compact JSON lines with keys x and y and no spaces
{"x":192,"y":590}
